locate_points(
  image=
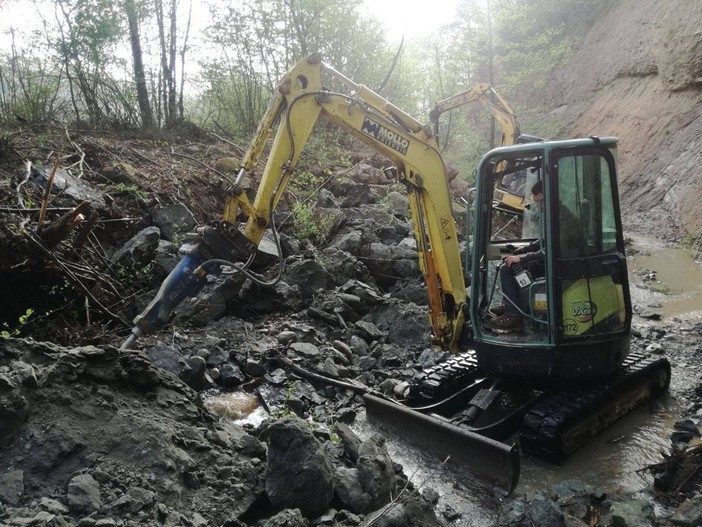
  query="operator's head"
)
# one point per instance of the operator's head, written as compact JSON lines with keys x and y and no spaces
{"x":537,"y":192}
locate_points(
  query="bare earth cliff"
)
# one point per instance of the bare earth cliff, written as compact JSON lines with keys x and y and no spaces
{"x":638,"y":76}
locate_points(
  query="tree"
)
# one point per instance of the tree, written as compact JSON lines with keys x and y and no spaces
{"x":89,"y":30}
{"x":147,"y":118}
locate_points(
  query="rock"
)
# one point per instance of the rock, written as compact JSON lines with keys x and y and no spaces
{"x":350,"y":441}
{"x":631,"y":514}
{"x":195,"y":374}
{"x":67,"y":186}
{"x":305,"y":349}
{"x":367,"y":363}
{"x":330,"y":369}
{"x":228,"y":165}
{"x":299,"y":473}
{"x":167,"y":357}
{"x":343,"y":348}
{"x":286,"y":337}
{"x":429,"y":357}
{"x":689,"y":512}
{"x":358,"y":345}
{"x":398,"y":204}
{"x":350,"y":242}
{"x":537,"y":511}
{"x":139,"y":250}
{"x":431,"y":495}
{"x":376,"y":471}
{"x":134,"y":500}
{"x":167,"y":256}
{"x":365,"y":173}
{"x":121,"y":172}
{"x":287,"y":518}
{"x":174,"y":221}
{"x":369,"y":330}
{"x":395,"y":516}
{"x":12,"y":487}
{"x":255,"y":368}
{"x":231,"y":376}
{"x":326,"y":200}
{"x":83,"y":494}
{"x":53,"y":506}
{"x":349,"y":491}
{"x":405,"y":324}
{"x":309,"y":276}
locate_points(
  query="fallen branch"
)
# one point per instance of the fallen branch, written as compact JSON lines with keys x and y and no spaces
{"x":47,"y":193}
{"x":82,"y":155}
{"x":76,"y":281}
{"x":28,"y":171}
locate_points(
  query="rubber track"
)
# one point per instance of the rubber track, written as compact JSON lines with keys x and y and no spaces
{"x":444,"y":379}
{"x":542,"y":427}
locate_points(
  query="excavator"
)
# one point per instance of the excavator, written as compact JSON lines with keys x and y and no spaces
{"x":509,"y":194}
{"x":547,"y":387}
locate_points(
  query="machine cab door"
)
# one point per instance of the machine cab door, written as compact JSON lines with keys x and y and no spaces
{"x":503,"y":228}
{"x":591,"y":281}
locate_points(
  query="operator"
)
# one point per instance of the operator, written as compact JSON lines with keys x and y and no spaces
{"x":530,"y":258}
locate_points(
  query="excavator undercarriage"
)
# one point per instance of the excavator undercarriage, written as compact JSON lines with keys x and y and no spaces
{"x":484,"y":423}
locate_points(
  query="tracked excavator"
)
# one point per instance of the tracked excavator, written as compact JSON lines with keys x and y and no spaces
{"x":510,"y":192}
{"x":545,"y":388}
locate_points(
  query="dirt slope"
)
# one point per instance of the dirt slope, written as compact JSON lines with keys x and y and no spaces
{"x":638,"y":76}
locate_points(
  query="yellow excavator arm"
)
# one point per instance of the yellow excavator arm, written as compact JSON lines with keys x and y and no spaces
{"x":485,"y":95}
{"x":300,"y":102}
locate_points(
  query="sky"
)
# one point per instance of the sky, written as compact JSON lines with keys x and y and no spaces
{"x":416,"y":18}
{"x":413,"y":18}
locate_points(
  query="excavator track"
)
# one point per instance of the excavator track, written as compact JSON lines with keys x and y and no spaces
{"x":561,"y":422}
{"x":444,"y":379}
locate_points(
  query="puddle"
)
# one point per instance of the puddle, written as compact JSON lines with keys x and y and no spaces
{"x":677,"y":288}
{"x":613,"y":458}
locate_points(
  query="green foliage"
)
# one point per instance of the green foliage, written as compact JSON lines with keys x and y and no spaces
{"x":535,"y":36}
{"x":309,"y":226}
{"x":285,"y":410}
{"x":7,"y":332}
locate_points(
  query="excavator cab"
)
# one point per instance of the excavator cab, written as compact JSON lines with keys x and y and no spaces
{"x":575,"y":307}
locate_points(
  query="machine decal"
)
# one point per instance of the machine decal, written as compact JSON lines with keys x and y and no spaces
{"x":540,"y":302}
{"x":385,"y":135}
{"x":445,"y":228}
{"x":584,"y":311}
{"x":570,"y":327}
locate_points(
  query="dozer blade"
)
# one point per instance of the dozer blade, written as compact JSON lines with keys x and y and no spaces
{"x":494,"y":462}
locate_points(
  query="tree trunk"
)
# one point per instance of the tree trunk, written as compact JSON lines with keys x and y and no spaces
{"x":147,"y":117}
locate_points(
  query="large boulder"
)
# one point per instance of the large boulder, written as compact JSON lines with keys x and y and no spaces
{"x":375,"y":471}
{"x":299,"y":473}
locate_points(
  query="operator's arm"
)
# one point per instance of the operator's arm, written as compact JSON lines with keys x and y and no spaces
{"x":533,"y":247}
{"x":525,"y":255}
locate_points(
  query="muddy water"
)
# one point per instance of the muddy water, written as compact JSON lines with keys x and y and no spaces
{"x":675,"y":291}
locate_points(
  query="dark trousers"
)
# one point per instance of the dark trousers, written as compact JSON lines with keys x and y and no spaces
{"x":510,"y":287}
